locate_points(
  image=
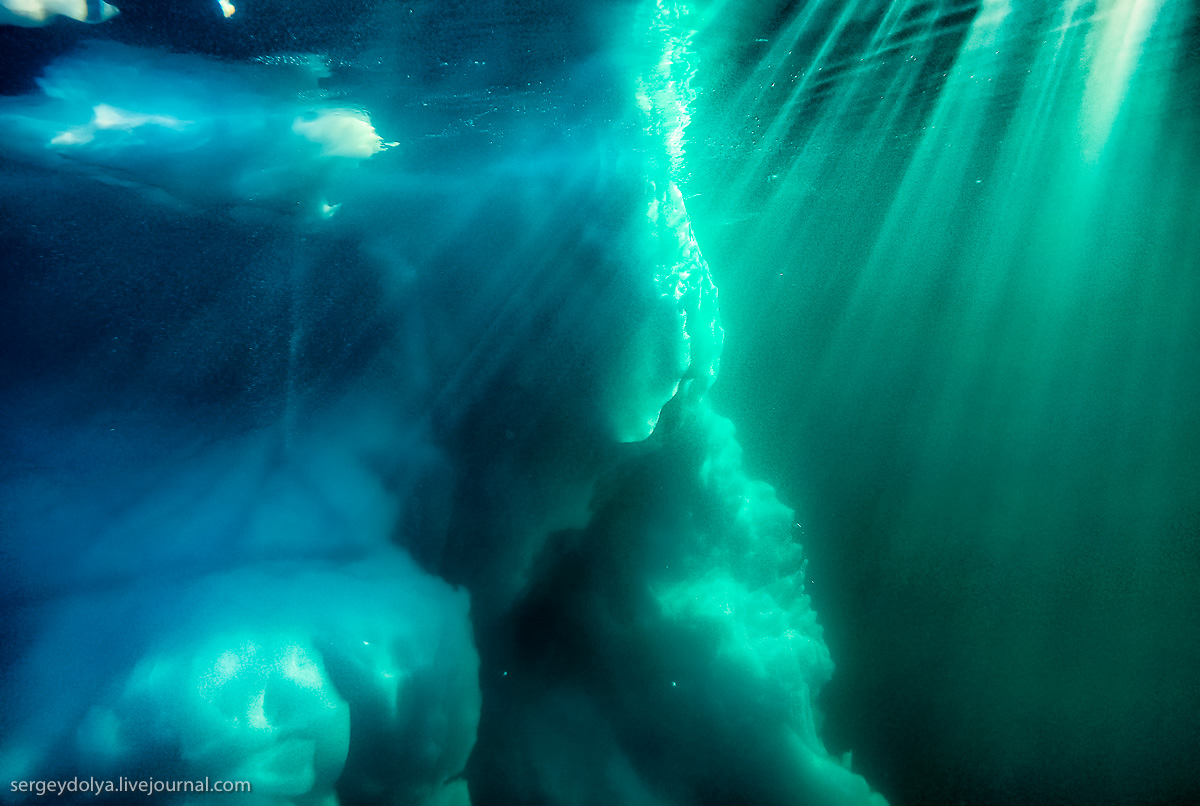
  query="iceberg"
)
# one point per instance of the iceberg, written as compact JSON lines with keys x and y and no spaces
{"x":371,"y":371}
{"x":373,"y":474}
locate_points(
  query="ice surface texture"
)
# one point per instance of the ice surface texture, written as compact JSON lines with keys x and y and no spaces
{"x":33,"y":13}
{"x":330,"y":458}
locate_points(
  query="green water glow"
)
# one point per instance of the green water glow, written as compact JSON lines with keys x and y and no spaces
{"x":958,"y":249}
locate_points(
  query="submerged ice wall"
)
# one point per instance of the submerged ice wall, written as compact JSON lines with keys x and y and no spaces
{"x":386,"y":475}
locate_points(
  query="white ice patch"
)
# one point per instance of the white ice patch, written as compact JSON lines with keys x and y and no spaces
{"x":340,"y":133}
{"x":109,"y":118}
{"x":33,"y":13}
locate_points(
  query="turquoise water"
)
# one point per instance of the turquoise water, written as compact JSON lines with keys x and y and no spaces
{"x":960,"y":282}
{"x":602,"y":403}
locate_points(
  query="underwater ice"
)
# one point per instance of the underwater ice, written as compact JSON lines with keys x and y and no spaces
{"x":32,"y":13}
{"x":416,"y":503}
{"x":198,"y":131}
